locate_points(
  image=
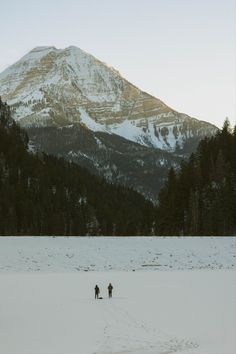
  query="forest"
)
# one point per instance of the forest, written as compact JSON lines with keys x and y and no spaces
{"x":45,"y":195}
{"x":200,"y":197}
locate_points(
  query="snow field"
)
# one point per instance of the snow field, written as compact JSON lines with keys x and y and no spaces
{"x":73,"y":254}
{"x":171,"y":295}
{"x":187,"y":312}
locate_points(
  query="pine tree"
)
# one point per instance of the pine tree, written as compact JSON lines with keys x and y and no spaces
{"x":200,"y":199}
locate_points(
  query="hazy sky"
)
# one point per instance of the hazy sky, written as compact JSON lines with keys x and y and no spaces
{"x":182,"y":51}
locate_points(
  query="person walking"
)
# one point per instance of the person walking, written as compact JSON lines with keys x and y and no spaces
{"x":110,"y":288}
{"x":97,"y":291}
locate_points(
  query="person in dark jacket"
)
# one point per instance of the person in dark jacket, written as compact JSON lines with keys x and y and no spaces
{"x":110,"y":288}
{"x":97,"y":291}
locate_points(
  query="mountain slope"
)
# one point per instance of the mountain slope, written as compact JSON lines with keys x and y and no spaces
{"x":117,"y":159}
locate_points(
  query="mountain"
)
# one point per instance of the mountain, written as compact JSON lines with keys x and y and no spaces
{"x":44,"y":195}
{"x":79,"y":97}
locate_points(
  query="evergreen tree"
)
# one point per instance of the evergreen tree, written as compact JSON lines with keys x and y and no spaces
{"x":200,"y":198}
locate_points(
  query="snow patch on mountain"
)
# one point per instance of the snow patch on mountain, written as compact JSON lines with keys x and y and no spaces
{"x":129,"y":130}
{"x":91,"y":123}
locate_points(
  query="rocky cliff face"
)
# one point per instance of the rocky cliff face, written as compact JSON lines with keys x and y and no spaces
{"x":68,"y":91}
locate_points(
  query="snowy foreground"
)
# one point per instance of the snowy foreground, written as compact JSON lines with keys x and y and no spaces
{"x":182,"y":310}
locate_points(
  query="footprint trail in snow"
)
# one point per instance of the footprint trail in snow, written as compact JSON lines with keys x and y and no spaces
{"x":124,"y":334}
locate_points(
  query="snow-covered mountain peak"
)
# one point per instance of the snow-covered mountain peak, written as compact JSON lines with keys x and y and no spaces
{"x":35,"y":54}
{"x":57,"y":87}
{"x":74,"y":49}
{"x":43,"y":49}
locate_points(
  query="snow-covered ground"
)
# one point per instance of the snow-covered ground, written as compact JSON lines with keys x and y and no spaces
{"x":188,"y":309}
{"x":116,"y":253}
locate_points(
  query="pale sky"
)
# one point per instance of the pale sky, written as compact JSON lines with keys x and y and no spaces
{"x":181,"y":51}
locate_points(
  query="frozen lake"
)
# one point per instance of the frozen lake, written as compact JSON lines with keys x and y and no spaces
{"x":69,"y":254}
{"x":181,"y":298}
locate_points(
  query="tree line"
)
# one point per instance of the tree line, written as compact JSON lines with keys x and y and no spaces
{"x":200,"y":197}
